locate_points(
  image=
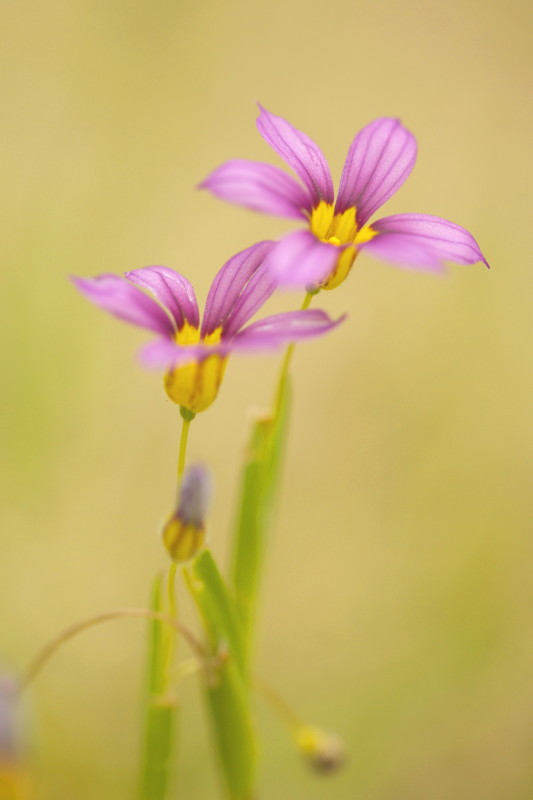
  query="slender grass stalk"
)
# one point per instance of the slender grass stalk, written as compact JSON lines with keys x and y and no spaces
{"x":225,"y":684}
{"x":160,"y":708}
{"x":49,"y":649}
{"x":283,"y":711}
{"x":169,"y":635}
{"x":259,"y":483}
{"x":187,"y":417}
{"x":161,"y":702}
{"x":287,"y":358}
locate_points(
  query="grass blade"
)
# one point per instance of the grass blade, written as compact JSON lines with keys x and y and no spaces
{"x":160,"y":708}
{"x":259,"y":484}
{"x":227,"y":689}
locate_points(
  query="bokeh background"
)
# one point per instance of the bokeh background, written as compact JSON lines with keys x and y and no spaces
{"x":397,"y":605}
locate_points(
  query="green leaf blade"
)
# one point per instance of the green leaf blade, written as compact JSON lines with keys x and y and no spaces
{"x":161,"y":710}
{"x":226,"y":684}
{"x":218,"y":607}
{"x":233,"y":731}
{"x":259,"y":484}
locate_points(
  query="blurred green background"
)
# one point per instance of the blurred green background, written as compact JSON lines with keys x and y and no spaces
{"x":397,"y":604}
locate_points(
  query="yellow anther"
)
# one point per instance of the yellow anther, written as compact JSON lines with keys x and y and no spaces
{"x":338,"y":229}
{"x":334,"y":228}
{"x":321,"y":219}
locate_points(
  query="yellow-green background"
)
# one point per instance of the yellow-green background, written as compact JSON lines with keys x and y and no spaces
{"x":398,"y":601}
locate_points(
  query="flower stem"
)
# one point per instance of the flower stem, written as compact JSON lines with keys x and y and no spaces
{"x":78,"y":627}
{"x":171,"y":591}
{"x":183,"y":446}
{"x":285,"y":364}
{"x":171,"y":633}
{"x":283,"y":711}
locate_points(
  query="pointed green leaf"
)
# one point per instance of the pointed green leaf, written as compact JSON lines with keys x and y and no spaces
{"x":218,"y":607}
{"x":160,"y":708}
{"x":259,"y":484}
{"x":226,"y":687}
{"x":228,"y":701}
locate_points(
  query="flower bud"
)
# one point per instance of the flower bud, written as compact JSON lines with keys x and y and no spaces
{"x":323,"y":751}
{"x":184,"y":533}
{"x":14,"y":775}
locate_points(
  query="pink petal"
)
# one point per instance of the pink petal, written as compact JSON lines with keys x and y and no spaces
{"x":166,"y":354}
{"x":280,"y":329}
{"x":260,"y":187}
{"x":115,"y":295}
{"x":301,"y":260}
{"x":259,"y":288}
{"x":379,"y":160}
{"x":423,"y":241}
{"x":171,"y":289}
{"x":300,"y":153}
{"x":231,"y":286}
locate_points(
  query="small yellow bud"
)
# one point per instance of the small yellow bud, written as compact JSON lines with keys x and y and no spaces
{"x":182,"y":541}
{"x":184,"y":532}
{"x":324,"y":752}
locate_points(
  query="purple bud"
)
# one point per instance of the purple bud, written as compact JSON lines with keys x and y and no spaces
{"x":184,"y":533}
{"x":195,"y":495}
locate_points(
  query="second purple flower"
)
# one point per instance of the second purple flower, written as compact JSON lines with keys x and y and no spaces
{"x":379,"y":160}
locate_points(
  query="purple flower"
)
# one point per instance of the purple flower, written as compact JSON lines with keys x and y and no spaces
{"x":194,"y":354}
{"x":379,"y":160}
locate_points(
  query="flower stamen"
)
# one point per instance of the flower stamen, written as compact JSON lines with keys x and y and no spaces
{"x":340,"y":230}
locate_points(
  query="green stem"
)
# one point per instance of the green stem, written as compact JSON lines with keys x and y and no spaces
{"x":284,"y":712}
{"x":161,"y":710}
{"x":171,"y":632}
{"x":285,"y":364}
{"x":183,"y":445}
{"x":187,"y":417}
{"x":122,"y":613}
{"x":171,"y":591}
{"x":226,"y":686}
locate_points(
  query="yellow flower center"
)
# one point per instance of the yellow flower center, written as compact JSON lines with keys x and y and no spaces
{"x":339,"y":229}
{"x":194,"y":386}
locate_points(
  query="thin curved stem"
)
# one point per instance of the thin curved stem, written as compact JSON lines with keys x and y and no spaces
{"x":285,"y":364}
{"x":290,"y":718}
{"x":64,"y":636}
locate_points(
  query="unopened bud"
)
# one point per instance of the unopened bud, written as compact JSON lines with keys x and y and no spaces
{"x":324,"y":752}
{"x":184,"y":533}
{"x":14,"y":775}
